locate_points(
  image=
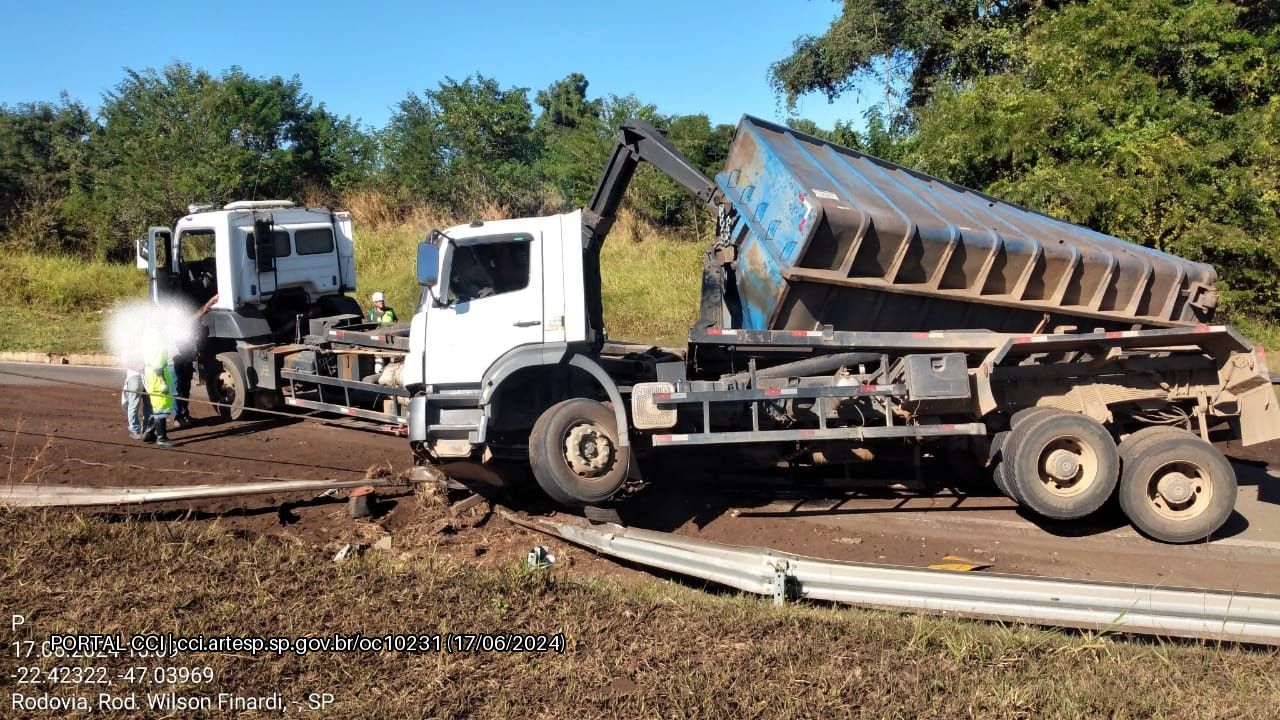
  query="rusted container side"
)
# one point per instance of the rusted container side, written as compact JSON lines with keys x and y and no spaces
{"x":831,"y":236}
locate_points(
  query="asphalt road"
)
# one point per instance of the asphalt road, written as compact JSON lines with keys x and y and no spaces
{"x":106,"y":377}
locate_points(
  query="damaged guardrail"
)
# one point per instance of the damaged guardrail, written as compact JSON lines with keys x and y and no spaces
{"x":1204,"y":614}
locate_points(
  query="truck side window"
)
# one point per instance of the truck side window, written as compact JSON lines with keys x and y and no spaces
{"x":487,"y":269}
{"x":313,"y":241}
{"x":281,"y":238}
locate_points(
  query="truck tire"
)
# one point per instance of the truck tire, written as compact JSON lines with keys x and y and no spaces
{"x":1133,"y":440}
{"x":999,"y":443}
{"x":1175,"y":487}
{"x":227,"y":387}
{"x":1065,"y":465}
{"x":574,"y":453}
{"x":1003,"y":445}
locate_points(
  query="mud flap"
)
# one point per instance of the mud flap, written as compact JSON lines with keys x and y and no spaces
{"x":1259,"y":415}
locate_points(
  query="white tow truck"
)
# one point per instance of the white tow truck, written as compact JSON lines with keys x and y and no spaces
{"x":282,"y":329}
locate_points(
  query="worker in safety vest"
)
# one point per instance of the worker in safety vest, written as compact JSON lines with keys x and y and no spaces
{"x":158,"y":375}
{"x":381,"y":312}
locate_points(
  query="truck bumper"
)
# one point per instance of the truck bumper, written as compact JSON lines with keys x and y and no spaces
{"x":447,"y":429}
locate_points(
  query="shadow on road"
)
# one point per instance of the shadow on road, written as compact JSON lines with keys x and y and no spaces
{"x":183,"y":436}
{"x":698,"y":496}
{"x":1249,"y":472}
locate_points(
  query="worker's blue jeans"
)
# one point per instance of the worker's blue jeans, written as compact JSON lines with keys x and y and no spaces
{"x":136,"y":404}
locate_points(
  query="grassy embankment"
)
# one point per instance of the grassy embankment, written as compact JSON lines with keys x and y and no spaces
{"x":632,"y":649}
{"x":58,"y":304}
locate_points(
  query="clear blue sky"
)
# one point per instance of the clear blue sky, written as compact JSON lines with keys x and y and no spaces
{"x":360,"y":59}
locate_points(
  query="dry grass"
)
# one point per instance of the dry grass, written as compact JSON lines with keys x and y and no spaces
{"x":647,"y":649}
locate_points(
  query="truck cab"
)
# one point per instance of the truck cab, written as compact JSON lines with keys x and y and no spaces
{"x":503,"y":316}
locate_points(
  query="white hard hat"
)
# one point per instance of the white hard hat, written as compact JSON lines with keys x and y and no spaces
{"x":377,"y":297}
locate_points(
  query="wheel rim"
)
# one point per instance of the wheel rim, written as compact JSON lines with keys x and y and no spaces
{"x":588,"y":450}
{"x":1179,"y":490}
{"x":1067,"y":466}
{"x":227,"y":388}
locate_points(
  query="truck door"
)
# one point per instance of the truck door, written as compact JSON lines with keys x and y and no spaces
{"x":491,"y":297}
{"x":159,"y":265}
{"x":346,"y":251}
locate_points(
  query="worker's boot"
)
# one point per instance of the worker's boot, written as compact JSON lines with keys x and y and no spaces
{"x":162,"y":437}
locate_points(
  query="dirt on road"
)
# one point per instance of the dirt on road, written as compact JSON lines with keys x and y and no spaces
{"x":65,"y":434}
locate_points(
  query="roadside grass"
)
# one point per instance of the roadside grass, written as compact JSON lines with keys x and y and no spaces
{"x":385,"y":260}
{"x":633,"y":649}
{"x":1262,"y":332}
{"x":651,"y":283}
{"x":57,"y":303}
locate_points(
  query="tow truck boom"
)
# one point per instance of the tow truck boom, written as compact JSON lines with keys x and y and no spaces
{"x":637,"y":142}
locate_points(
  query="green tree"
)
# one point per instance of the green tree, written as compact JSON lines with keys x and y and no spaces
{"x":565,"y":105}
{"x":182,"y":136}
{"x":43,"y":155}
{"x":572,"y":139}
{"x":465,"y":144}
{"x":883,"y":138}
{"x":932,"y":43}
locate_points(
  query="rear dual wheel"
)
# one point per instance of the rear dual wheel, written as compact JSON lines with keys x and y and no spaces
{"x":1005,"y":448}
{"x":1059,"y":464}
{"x":1175,"y":487}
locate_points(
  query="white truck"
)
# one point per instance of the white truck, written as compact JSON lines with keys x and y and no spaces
{"x":282,"y":329}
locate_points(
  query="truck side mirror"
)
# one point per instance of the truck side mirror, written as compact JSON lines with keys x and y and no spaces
{"x":141,"y":253}
{"x":428,"y":264}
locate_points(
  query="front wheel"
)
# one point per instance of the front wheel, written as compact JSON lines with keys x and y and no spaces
{"x":227,"y":387}
{"x":575,"y":455}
